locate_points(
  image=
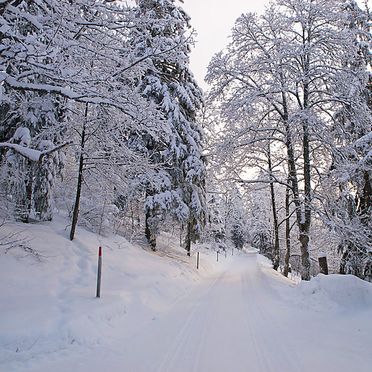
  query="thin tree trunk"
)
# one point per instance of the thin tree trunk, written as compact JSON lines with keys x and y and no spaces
{"x":150,"y":236}
{"x":29,"y":187}
{"x":365,"y":203}
{"x":75,"y":213}
{"x":287,"y":233}
{"x":275,"y":255}
{"x":102,"y":216}
{"x":306,"y":218}
{"x":188,"y":238}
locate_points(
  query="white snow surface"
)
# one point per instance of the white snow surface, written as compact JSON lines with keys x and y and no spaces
{"x":158,"y":313}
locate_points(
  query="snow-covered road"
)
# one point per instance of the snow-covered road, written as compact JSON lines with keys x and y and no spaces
{"x":241,"y":319}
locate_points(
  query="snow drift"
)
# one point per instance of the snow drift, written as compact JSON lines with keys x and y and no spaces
{"x":344,"y":291}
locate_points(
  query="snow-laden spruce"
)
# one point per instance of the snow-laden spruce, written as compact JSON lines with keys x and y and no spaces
{"x":178,"y":188}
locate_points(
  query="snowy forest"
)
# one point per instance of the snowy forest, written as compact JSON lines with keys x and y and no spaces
{"x":108,"y":139}
{"x":102,"y":119}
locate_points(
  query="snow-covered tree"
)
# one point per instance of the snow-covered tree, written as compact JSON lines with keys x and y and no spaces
{"x":349,"y":207}
{"x":64,"y":56}
{"x":30,"y":174}
{"x":258,"y":222}
{"x":237,"y":219}
{"x":216,"y":226}
{"x":277,"y":81}
{"x":169,"y":83}
{"x":26,"y":27}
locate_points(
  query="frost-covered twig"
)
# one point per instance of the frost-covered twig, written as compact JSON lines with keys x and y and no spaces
{"x":14,"y":240}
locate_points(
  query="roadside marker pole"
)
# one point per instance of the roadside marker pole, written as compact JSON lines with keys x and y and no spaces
{"x":99,"y":273}
{"x":197,"y":260}
{"x":217,"y":256}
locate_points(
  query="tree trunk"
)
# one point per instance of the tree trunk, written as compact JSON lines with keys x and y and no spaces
{"x":181,"y":231}
{"x":305,"y":257}
{"x":365,"y":204}
{"x":275,"y":255}
{"x":302,"y":219}
{"x":150,"y":236}
{"x":305,"y":215}
{"x":75,"y":213}
{"x":306,"y":218}
{"x":188,"y":239}
{"x":287,"y":234}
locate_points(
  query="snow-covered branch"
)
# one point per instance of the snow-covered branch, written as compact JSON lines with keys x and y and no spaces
{"x":32,"y":154}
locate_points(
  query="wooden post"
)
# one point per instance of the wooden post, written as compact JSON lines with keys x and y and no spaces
{"x":225,"y":253}
{"x":323,"y":265}
{"x":197,"y":260}
{"x":99,"y":273}
{"x":217,"y":256}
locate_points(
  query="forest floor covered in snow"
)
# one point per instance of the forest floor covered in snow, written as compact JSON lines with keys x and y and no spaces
{"x":158,"y":313}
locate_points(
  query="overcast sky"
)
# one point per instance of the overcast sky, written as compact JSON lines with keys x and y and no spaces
{"x":213,"y":20}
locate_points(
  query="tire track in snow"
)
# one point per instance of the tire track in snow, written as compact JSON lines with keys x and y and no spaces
{"x":254,"y":334}
{"x":202,"y":343}
{"x":271,"y":349}
{"x":185,"y":334}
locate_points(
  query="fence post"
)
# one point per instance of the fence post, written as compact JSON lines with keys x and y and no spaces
{"x":323,"y":265}
{"x":197,"y":260}
{"x":99,"y":273}
{"x":217,"y":256}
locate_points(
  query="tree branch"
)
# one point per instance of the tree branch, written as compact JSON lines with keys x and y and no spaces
{"x":32,"y":154}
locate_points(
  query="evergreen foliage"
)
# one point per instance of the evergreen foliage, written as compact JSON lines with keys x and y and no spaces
{"x":168,"y":82}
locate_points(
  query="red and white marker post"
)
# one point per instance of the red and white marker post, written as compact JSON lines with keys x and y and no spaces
{"x":99,"y":273}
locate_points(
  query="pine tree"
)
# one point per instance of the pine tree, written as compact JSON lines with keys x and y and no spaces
{"x":61,"y":56}
{"x":22,"y":110}
{"x":169,"y":83}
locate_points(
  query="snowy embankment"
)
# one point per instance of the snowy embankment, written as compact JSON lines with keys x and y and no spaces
{"x":158,"y":313}
{"x":50,"y":304}
{"x":328,"y":293}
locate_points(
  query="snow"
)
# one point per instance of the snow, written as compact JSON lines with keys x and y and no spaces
{"x":158,"y":313}
{"x":22,"y":136}
{"x":339,"y":292}
{"x":33,"y":155}
{"x":322,"y":255}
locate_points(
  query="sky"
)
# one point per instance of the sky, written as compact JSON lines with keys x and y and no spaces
{"x":213,"y":21}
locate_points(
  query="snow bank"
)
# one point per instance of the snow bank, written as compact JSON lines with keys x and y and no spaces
{"x":345,"y":292}
{"x":50,"y":304}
